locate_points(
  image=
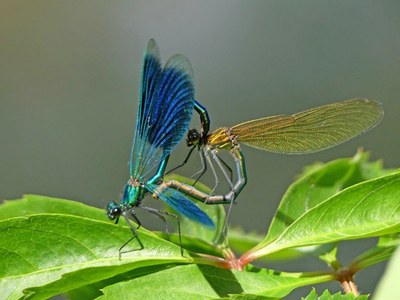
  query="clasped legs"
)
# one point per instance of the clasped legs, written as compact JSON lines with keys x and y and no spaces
{"x":211,"y":155}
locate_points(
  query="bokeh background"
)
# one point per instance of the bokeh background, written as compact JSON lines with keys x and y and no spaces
{"x":70,"y":74}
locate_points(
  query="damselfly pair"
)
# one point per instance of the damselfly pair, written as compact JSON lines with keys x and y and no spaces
{"x":166,"y":104}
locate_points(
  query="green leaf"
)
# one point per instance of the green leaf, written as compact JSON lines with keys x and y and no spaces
{"x":51,"y":246}
{"x":389,"y":283}
{"x":330,"y":257}
{"x":368,"y":209}
{"x":326,"y":295}
{"x":242,"y":241}
{"x":192,"y":243}
{"x":318,"y":184}
{"x":381,"y":252}
{"x":311,"y":296}
{"x":205,"y":282}
{"x":35,"y":204}
{"x":93,"y":291}
{"x":48,"y":254}
{"x":368,"y":170}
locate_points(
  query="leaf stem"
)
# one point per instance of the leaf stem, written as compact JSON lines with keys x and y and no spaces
{"x":346,"y":279}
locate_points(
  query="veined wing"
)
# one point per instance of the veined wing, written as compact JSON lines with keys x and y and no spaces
{"x":180,"y":203}
{"x":165,"y":110}
{"x":311,"y":130}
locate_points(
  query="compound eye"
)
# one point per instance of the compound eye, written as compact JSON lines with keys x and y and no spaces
{"x":114,"y":212}
{"x":193,"y":137}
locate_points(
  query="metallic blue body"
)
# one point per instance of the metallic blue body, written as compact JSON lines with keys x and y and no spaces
{"x":204,"y":118}
{"x":166,"y":104}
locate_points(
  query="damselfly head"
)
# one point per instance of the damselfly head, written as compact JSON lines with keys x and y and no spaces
{"x":114,"y":211}
{"x":193,"y":137}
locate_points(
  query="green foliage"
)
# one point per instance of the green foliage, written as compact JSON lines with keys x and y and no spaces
{"x":389,"y":284}
{"x":52,"y":246}
{"x":326,"y":295}
{"x":351,"y":214}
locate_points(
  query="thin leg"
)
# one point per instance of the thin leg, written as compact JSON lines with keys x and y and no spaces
{"x":225,"y":228}
{"x":184,"y":162}
{"x":158,"y":213}
{"x":222,"y":167}
{"x":226,"y":166}
{"x":161,"y":214}
{"x":136,"y":219}
{"x":135,"y":235}
{"x":240,"y":170}
{"x":208,"y":159}
{"x":201,"y":172}
{"x":203,"y":169}
{"x":231,"y":200}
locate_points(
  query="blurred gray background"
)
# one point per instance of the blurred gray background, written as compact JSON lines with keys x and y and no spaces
{"x":70,"y":74}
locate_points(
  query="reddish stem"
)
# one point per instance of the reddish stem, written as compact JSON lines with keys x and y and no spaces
{"x":346,"y":279}
{"x":229,"y":261}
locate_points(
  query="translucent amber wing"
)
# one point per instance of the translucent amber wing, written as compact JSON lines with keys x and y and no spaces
{"x":311,"y":130}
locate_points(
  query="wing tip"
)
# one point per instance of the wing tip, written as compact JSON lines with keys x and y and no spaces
{"x":152,"y":48}
{"x":377,"y":106}
{"x":180,"y":63}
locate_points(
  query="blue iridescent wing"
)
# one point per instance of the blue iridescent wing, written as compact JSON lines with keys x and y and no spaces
{"x":165,"y":110}
{"x":183,"y":205}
